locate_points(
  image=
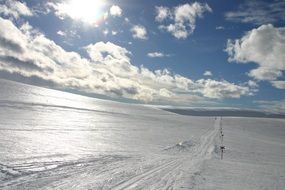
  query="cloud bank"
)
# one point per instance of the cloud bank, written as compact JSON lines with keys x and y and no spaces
{"x":107,"y":70}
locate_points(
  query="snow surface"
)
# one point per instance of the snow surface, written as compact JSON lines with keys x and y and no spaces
{"x":57,"y":140}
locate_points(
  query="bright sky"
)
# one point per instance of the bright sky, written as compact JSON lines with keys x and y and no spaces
{"x":215,"y":53}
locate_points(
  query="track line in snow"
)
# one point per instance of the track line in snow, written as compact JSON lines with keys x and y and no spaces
{"x":141,"y":178}
{"x":168,"y":172}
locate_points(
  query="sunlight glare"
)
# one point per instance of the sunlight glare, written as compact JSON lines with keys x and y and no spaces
{"x":89,"y":11}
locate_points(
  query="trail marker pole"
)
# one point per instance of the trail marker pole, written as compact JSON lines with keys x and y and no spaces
{"x":222,"y":151}
{"x":222,"y":147}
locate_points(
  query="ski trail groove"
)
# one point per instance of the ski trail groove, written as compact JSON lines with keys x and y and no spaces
{"x":168,"y":172}
{"x":131,"y":183}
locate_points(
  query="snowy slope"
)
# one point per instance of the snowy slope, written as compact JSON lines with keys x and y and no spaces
{"x":56,"y":140}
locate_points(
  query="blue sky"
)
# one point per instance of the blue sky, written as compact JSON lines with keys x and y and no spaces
{"x":183,"y":53}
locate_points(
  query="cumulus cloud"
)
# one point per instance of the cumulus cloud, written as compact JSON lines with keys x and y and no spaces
{"x":101,"y":52}
{"x":180,"y":21}
{"x":157,"y":54}
{"x":258,"y":12}
{"x":162,"y":13}
{"x":116,"y":11}
{"x":208,"y":73}
{"x":264,"y":46}
{"x":14,"y":9}
{"x":107,"y":70}
{"x":139,"y":32}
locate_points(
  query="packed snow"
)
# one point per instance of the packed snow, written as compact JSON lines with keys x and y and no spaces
{"x":57,"y":140}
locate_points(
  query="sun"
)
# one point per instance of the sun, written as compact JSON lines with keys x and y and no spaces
{"x":88,"y":11}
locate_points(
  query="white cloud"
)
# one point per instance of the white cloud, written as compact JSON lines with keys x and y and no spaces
{"x":61,"y":33}
{"x":157,"y":54}
{"x":221,"y":89}
{"x":264,"y":46}
{"x":116,"y":11}
{"x":208,"y":73}
{"x":265,"y":73}
{"x":108,"y":70}
{"x":101,"y":51}
{"x":14,"y":9}
{"x":114,"y":32}
{"x":252,"y":84}
{"x":180,"y":21}
{"x":139,"y":32}
{"x":106,"y":32}
{"x":220,"y":28}
{"x":278,"y":84}
{"x":275,"y":106}
{"x":127,"y":20}
{"x":258,"y":12}
{"x":165,"y":93}
{"x":68,"y":35}
{"x":162,"y":13}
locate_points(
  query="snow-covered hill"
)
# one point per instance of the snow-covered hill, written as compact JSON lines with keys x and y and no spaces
{"x":56,"y":140}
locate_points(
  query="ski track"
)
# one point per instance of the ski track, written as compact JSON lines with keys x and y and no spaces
{"x":169,"y":172}
{"x":166,"y":173}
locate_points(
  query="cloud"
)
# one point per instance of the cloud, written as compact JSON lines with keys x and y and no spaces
{"x":220,"y":28}
{"x":14,"y":9}
{"x":101,"y":52}
{"x":275,"y":106}
{"x":116,"y":11}
{"x":127,"y":20}
{"x":139,"y":32}
{"x":264,"y":46}
{"x":106,"y":32}
{"x":208,"y":73}
{"x":61,"y":33}
{"x":252,"y":84}
{"x":265,"y":73}
{"x":278,"y":84}
{"x":221,"y":89}
{"x":107,"y":70}
{"x":114,"y":32}
{"x":68,"y":33}
{"x":180,"y":21}
{"x":162,"y":13}
{"x":157,"y":54}
{"x":258,"y":12}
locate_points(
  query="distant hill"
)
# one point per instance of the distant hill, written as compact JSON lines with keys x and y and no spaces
{"x":224,"y":112}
